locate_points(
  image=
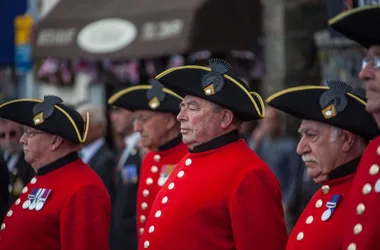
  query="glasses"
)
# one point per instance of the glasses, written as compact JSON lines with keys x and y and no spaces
{"x":11,"y":134}
{"x":29,"y":133}
{"x":374,"y":61}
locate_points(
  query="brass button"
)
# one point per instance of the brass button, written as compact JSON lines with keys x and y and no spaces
{"x":358,"y":228}
{"x":10,"y":212}
{"x":146,"y":244}
{"x":319,"y":203}
{"x":154,"y":169}
{"x":309,"y":219}
{"x":374,"y":170}
{"x":158,"y":214}
{"x":33,"y":180}
{"x":164,"y":200}
{"x":180,"y":174}
{"x":360,"y":209}
{"x":300,"y":236}
{"x":325,"y":189}
{"x":144,"y":205}
{"x":367,"y":188}
{"x":157,"y":158}
{"x":188,"y":162}
{"x":352,"y":246}
{"x":145,"y":192}
{"x":149,"y":181}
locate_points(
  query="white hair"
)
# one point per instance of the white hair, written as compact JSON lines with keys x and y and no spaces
{"x":97,"y":114}
{"x":336,"y":132}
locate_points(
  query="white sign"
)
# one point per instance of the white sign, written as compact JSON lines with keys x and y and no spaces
{"x":162,"y":30}
{"x":106,"y":35}
{"x":368,"y":2}
{"x":55,"y":37}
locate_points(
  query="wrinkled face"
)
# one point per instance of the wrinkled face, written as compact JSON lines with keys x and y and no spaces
{"x":318,"y":148}
{"x":153,"y":127}
{"x":36,"y":144}
{"x":121,"y":120}
{"x":200,"y":122}
{"x":10,"y":134}
{"x":370,"y":74}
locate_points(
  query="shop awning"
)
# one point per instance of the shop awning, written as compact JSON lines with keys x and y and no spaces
{"x":124,"y":29}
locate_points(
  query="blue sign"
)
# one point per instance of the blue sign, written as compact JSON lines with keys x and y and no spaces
{"x":8,"y":11}
{"x":23,"y":58}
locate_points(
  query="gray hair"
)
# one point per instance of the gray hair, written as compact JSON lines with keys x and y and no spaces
{"x":336,"y":132}
{"x":97,"y":114}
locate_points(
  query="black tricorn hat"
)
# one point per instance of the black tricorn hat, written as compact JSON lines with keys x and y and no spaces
{"x":215,"y":84}
{"x":359,"y":24}
{"x":153,"y":97}
{"x":337,"y":104}
{"x":49,"y":115}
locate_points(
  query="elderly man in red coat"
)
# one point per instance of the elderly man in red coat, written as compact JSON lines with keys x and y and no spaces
{"x":334,"y":131}
{"x":155,"y":109}
{"x":66,"y":205}
{"x":362,"y":225}
{"x":221,"y":195}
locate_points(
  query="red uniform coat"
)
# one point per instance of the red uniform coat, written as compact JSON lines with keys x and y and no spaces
{"x":155,"y":169}
{"x":75,"y":215}
{"x":221,"y":197}
{"x":320,"y":224}
{"x":362,"y":227}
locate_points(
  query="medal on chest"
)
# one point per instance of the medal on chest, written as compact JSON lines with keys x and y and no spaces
{"x":36,"y":199}
{"x":129,"y":174}
{"x":331,"y":206}
{"x":166,"y":170}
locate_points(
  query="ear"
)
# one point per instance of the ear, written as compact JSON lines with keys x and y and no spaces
{"x":55,"y":142}
{"x":227,"y":118}
{"x":349,"y":140}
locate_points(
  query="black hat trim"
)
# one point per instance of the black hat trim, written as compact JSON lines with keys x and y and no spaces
{"x":80,"y":138}
{"x":307,"y":87}
{"x":260,"y":112}
{"x":119,"y":94}
{"x":347,"y":13}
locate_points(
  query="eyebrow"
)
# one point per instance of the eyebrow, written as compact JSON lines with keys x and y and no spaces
{"x":306,"y":130}
{"x":192,"y":102}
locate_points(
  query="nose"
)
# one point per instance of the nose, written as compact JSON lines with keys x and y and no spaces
{"x":23,"y":140}
{"x":302,"y":147}
{"x":366,"y":73}
{"x":137,"y":126}
{"x":181,"y":117}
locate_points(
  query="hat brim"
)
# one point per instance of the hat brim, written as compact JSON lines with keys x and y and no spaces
{"x":357,"y":25}
{"x":61,"y":123}
{"x":187,"y":80}
{"x":134,"y":98}
{"x":303,"y":102}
